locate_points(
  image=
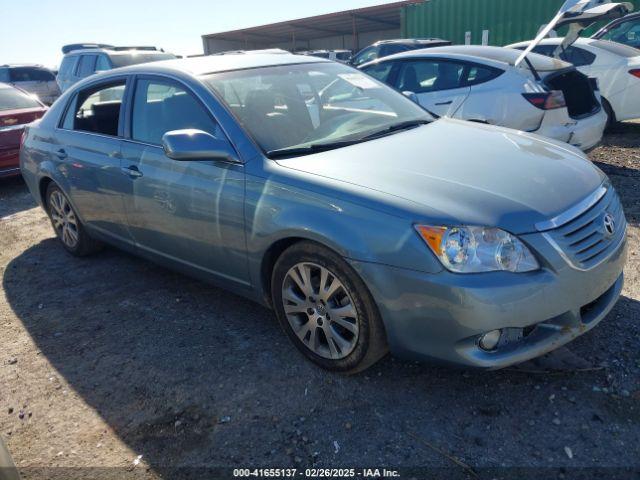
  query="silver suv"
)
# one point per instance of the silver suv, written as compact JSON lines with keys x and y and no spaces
{"x":35,"y":79}
{"x":84,"y":59}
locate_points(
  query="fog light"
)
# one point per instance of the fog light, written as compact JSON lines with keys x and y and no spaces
{"x":490,"y":340}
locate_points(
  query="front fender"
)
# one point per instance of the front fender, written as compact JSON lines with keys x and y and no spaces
{"x":277,"y":211}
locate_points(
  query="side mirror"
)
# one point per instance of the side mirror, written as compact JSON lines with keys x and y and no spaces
{"x":192,"y":144}
{"x":411,"y":96}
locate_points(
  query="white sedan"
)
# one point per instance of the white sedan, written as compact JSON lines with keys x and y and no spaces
{"x":616,"y":66}
{"x":542,"y":95}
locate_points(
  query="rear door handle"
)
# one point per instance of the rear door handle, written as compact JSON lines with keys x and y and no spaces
{"x":445,"y":103}
{"x":61,"y":154}
{"x":131,"y":171}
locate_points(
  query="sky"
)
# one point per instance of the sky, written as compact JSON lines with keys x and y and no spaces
{"x":33,"y":31}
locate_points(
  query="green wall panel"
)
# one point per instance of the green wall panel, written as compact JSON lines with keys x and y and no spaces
{"x":508,"y":21}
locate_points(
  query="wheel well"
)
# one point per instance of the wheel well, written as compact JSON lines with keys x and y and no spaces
{"x":269,"y":260}
{"x":44,"y":184}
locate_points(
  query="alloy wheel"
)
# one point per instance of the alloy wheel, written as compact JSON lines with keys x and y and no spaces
{"x":64,"y":219}
{"x":320,"y":310}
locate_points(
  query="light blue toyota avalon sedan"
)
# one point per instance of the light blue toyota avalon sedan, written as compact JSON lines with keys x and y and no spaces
{"x":318,"y":191}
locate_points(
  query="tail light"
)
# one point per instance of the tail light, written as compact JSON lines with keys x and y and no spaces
{"x":635,"y":72}
{"x":546,"y":101}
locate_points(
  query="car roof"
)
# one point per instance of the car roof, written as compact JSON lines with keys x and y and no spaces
{"x":221,"y":63}
{"x":114,"y":53}
{"x":411,"y":41}
{"x":20,"y":65}
{"x":495,"y":56}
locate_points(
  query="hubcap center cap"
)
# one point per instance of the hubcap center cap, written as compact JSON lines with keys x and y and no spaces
{"x":321,"y":310}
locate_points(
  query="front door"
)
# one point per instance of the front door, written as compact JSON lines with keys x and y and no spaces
{"x":190,"y":213}
{"x":438,"y":84}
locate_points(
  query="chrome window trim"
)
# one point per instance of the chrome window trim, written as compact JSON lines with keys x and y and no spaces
{"x":573,"y":212}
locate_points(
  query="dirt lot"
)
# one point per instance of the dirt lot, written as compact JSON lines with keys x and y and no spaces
{"x":108,"y":358}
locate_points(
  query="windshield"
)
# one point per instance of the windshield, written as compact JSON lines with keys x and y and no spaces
{"x":298,"y":105}
{"x":136,"y":58}
{"x":13,"y":99}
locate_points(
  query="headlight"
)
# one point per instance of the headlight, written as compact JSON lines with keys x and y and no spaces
{"x":477,"y":249}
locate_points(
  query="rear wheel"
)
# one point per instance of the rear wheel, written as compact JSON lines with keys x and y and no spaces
{"x":326,"y":310}
{"x":67,"y":225}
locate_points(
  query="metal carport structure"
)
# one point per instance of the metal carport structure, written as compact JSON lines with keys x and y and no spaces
{"x":350,"y":29}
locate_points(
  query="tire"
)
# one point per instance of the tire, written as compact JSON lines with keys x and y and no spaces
{"x":339,"y":330}
{"x":67,"y":224}
{"x":611,"y":116}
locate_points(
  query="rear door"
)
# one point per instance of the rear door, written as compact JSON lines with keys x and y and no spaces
{"x":438,"y":83}
{"x":88,"y":151}
{"x":188,"y":213}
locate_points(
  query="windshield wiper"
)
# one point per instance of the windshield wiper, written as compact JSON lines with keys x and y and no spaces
{"x":309,"y":149}
{"x":396,"y":128}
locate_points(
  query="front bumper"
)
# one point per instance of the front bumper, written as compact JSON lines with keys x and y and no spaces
{"x":440,"y":316}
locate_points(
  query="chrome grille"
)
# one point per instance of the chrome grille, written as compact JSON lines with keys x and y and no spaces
{"x":584,"y":241}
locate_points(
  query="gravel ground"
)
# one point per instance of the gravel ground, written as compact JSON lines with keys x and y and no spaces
{"x":108,"y":358}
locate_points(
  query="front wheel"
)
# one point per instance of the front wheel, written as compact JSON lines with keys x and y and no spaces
{"x":326,"y":310}
{"x":67,"y":225}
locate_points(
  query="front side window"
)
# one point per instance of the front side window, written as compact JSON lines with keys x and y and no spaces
{"x":87,"y":65}
{"x":422,"y":76}
{"x":96,"y":109}
{"x":311,"y":105}
{"x":379,"y":71}
{"x":160,"y":107}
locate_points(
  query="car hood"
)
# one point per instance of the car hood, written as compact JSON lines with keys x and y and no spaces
{"x":453,"y":172}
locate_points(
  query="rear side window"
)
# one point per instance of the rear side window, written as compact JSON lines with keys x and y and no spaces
{"x":160,"y":107}
{"x":367,"y":55}
{"x":96,"y":110}
{"x":87,"y":65}
{"x":386,"y":50}
{"x":67,"y":66}
{"x":30,"y":74}
{"x":578,"y":56}
{"x":14,"y":99}
{"x":379,"y":71}
{"x":627,"y":33}
{"x":102,"y":64}
{"x":478,"y":74}
{"x":422,"y":76}
{"x":123,"y":60}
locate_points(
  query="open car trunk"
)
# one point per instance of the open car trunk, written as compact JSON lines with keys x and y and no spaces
{"x":578,"y":92}
{"x":578,"y":15}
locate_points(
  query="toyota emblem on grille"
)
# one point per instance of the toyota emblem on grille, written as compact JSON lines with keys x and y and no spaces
{"x":609,"y":224}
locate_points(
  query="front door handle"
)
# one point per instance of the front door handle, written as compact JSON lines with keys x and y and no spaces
{"x":445,"y":103}
{"x":131,"y":171}
{"x":61,"y":154}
